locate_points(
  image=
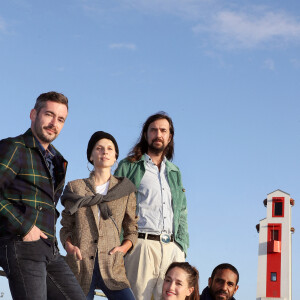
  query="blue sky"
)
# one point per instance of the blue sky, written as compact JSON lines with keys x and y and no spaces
{"x":227,"y":72}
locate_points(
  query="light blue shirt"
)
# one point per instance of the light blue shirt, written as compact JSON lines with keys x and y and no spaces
{"x":154,"y":200}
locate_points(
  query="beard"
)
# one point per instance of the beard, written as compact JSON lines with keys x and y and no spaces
{"x":157,"y":149}
{"x":218,"y":293}
{"x":41,"y":135}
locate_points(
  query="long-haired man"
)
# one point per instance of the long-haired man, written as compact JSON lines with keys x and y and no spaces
{"x":161,"y":207}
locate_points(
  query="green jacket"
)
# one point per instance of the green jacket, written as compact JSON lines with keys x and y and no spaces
{"x":135,"y":172}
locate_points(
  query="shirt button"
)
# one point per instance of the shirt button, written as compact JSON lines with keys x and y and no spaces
{"x":95,"y":241}
{"x":40,"y":208}
{"x":92,"y":257}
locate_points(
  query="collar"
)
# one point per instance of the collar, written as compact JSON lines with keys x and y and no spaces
{"x":206,"y":294}
{"x":170,"y":166}
{"x":49,"y":152}
{"x":32,"y":142}
{"x":91,"y":180}
{"x":147,"y":158}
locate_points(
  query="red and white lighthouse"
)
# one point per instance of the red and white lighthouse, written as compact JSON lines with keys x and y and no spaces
{"x":274,"y":275}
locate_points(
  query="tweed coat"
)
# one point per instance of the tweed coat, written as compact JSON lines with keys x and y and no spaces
{"x":27,"y":194}
{"x":90,"y":235}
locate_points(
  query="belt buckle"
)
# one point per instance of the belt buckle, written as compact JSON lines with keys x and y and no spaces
{"x":165,"y":238}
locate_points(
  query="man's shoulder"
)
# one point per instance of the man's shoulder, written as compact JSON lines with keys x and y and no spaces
{"x":128,"y":163}
{"x":132,"y":160}
{"x":205,"y":294}
{"x":171,"y":166}
{"x":13,"y":141}
{"x":21,"y":139}
{"x":125,"y":161}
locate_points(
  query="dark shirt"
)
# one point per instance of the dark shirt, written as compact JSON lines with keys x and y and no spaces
{"x":49,"y":155}
{"x":206,"y":295}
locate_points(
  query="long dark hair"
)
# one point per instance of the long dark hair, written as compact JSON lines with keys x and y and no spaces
{"x":193,"y":278}
{"x":142,"y":145}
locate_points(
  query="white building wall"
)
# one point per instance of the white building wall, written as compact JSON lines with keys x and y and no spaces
{"x":262,"y":260}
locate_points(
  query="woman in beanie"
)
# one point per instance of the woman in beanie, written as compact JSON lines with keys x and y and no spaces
{"x":97,"y":209}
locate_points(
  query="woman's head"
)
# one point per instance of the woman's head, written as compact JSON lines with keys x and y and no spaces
{"x":181,"y":282}
{"x":102,"y":149}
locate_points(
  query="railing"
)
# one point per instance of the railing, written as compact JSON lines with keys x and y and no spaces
{"x":100,"y":294}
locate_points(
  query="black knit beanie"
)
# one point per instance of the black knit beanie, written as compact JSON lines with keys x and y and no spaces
{"x":98,"y":135}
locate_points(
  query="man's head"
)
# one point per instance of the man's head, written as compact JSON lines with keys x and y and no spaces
{"x":50,"y":96}
{"x":157,"y":137}
{"x":48,"y":117}
{"x":223,"y":282}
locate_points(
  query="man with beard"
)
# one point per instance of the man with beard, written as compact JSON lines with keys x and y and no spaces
{"x":222,"y":284}
{"x":161,"y":207}
{"x":32,"y":175}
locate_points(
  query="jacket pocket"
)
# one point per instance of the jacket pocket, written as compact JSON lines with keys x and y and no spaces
{"x":118,"y":267}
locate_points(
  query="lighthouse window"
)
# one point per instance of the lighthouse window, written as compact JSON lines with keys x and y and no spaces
{"x":273,"y":276}
{"x":277,"y":209}
{"x":275,"y":235}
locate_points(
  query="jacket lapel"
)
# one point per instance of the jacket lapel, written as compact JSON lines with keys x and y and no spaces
{"x":91,"y":189}
{"x":113,"y":181}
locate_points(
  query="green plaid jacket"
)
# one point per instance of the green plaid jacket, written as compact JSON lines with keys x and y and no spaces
{"x":27,"y":194}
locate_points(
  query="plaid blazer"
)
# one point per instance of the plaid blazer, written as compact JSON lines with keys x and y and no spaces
{"x":27,"y":194}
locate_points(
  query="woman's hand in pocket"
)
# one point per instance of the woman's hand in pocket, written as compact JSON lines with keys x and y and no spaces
{"x":126,"y":245}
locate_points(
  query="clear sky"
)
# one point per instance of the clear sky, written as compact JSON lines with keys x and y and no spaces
{"x":227,"y":72}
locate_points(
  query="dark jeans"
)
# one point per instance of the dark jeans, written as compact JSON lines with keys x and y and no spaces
{"x":97,"y":281}
{"x":36,"y":271}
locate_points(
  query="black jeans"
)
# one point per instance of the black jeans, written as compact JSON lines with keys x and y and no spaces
{"x":36,"y":271}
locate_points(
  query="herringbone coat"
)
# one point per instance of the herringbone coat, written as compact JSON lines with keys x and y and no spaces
{"x":90,"y":235}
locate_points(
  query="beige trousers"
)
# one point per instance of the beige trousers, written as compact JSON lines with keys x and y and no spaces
{"x":146,"y":266}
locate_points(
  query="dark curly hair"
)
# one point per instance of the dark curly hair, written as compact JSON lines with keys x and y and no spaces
{"x":225,"y":266}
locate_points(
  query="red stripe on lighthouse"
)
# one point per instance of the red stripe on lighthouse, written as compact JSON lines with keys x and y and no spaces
{"x":274,"y":261}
